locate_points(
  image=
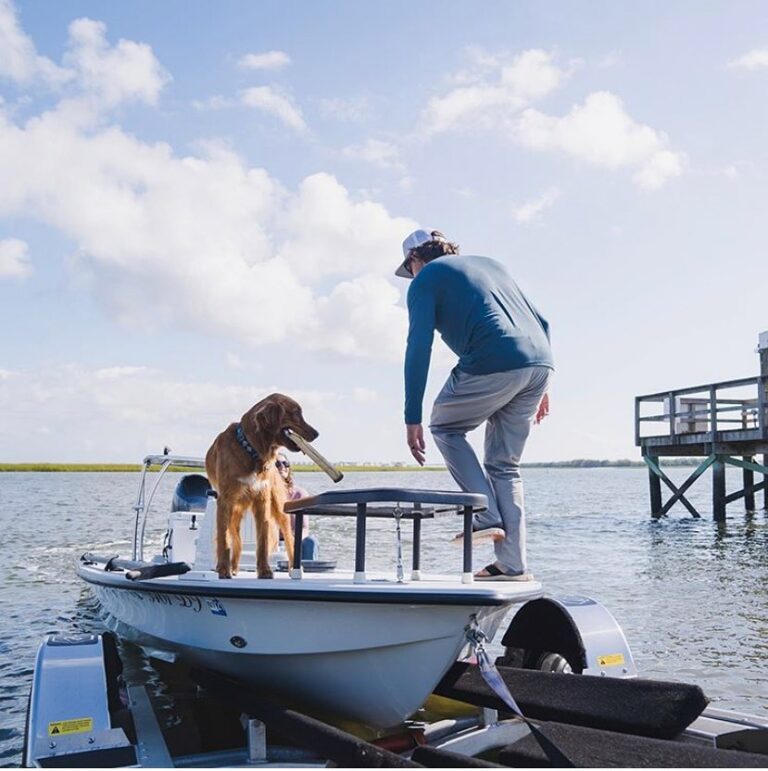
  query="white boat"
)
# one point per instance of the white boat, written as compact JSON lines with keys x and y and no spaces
{"x":365,"y":646}
{"x":269,"y":653}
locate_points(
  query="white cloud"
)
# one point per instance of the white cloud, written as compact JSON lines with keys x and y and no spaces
{"x":333,"y":234}
{"x":267,"y":98}
{"x":269,"y":60}
{"x":127,"y":71}
{"x":217,"y":102}
{"x":609,"y":61}
{"x":118,"y":373}
{"x":531,"y":210}
{"x":660,"y":167}
{"x":494,"y":90}
{"x":14,"y":259}
{"x":122,"y":417}
{"x":19,"y":60}
{"x":352,"y":110}
{"x":98,"y":75}
{"x":385,"y":155}
{"x":234,"y":361}
{"x":601,"y":132}
{"x":227,"y":245}
{"x":364,"y":394}
{"x":271,"y":100}
{"x":362,"y":316}
{"x":756,"y":59}
{"x":497,"y":93}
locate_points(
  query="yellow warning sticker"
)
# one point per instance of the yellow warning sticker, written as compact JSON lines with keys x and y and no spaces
{"x":611,"y":660}
{"x":78,"y":725}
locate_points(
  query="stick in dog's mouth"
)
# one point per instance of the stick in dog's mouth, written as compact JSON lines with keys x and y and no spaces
{"x":312,"y":453}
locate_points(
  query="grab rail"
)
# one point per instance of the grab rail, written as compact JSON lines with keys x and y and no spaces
{"x":142,"y":506}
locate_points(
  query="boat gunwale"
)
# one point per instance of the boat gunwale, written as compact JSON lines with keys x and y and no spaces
{"x":475,"y":596}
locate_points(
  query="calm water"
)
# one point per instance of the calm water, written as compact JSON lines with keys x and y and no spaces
{"x":690,"y":595}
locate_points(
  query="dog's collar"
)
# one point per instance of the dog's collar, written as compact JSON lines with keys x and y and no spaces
{"x":245,"y":444}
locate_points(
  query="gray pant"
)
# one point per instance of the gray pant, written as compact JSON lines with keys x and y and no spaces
{"x":508,"y":401}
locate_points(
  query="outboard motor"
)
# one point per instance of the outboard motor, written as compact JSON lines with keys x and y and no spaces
{"x":187,"y":508}
{"x":191,"y":493}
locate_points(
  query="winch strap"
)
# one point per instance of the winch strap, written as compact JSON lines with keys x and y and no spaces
{"x":496,"y":683}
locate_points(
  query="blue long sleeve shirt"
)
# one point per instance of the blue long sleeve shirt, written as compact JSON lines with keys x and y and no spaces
{"x":482,"y":316}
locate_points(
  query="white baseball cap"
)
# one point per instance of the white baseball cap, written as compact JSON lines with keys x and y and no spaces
{"x":416,"y":239}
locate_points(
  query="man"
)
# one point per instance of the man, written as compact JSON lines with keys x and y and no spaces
{"x":501,"y":378}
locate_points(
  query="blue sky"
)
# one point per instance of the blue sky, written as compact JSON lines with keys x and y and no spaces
{"x":204,"y":202}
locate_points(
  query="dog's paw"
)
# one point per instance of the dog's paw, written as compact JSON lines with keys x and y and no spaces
{"x":266,"y":573}
{"x":224,"y":574}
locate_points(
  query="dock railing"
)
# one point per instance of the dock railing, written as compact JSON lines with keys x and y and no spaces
{"x":730,"y":411}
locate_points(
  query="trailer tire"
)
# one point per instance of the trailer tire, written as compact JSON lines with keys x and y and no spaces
{"x":542,"y":636}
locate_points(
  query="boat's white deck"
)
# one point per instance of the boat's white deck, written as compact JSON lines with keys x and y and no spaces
{"x":343,"y":580}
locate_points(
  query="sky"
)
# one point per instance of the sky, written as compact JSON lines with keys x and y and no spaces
{"x":202,"y":203}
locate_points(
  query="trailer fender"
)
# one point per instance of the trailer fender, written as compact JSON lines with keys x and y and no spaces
{"x":573,"y":634}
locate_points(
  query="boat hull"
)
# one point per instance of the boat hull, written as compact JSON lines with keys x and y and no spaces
{"x":373,"y":662}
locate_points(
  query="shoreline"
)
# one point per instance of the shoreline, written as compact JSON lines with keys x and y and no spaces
{"x":344,"y":467}
{"x":136,"y":467}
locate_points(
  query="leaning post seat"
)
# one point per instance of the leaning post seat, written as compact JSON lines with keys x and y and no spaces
{"x":191,"y":493}
{"x":355,"y":503}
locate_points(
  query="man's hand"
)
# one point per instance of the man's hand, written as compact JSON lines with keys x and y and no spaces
{"x":543,"y":410}
{"x":415,"y":438}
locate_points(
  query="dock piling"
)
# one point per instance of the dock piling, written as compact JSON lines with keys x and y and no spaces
{"x":749,"y":481}
{"x":718,"y":490}
{"x":765,"y":482}
{"x":655,"y":482}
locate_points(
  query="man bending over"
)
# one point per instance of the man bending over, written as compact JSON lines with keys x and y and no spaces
{"x":501,"y":379}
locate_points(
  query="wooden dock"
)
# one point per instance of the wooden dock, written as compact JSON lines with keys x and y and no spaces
{"x":725,"y":423}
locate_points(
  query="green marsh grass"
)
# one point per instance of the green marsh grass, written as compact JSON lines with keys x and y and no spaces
{"x":134,"y":467}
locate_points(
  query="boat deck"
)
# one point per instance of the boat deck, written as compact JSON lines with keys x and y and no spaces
{"x":338,"y":585}
{"x":427,"y":586}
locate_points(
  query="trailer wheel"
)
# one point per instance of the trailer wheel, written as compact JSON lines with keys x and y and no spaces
{"x":554,"y":662}
{"x":541,"y":636}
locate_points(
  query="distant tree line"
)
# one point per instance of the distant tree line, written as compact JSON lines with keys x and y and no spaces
{"x":622,"y":463}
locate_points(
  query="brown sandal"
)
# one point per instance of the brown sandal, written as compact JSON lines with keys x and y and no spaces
{"x":496,"y":574}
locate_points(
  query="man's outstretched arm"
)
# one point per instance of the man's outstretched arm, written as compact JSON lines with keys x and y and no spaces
{"x":421,"y":333}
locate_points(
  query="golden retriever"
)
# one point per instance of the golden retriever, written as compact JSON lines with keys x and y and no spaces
{"x":241,"y":468}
